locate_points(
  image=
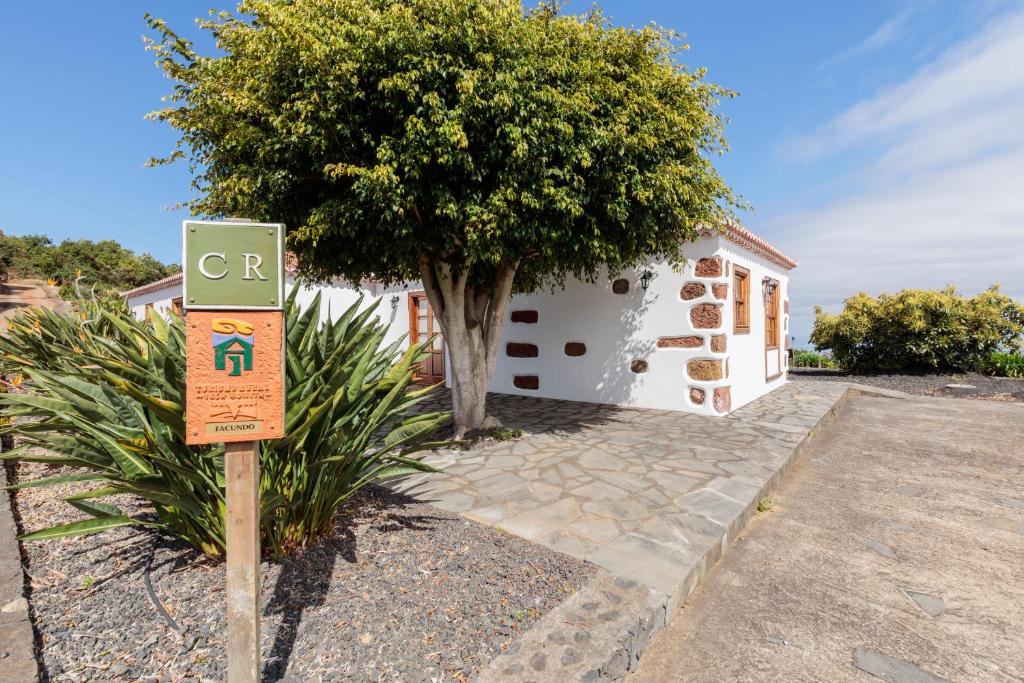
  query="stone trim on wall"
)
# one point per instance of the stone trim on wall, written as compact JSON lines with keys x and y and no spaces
{"x":638,"y":366}
{"x":692,"y":290}
{"x":720,"y":290}
{"x":697,"y":396}
{"x":620,"y":286}
{"x":531,"y":382}
{"x":690,"y":341}
{"x":710,"y":266}
{"x":722,"y":399}
{"x":521,"y":350}
{"x":705,"y":369}
{"x":575,"y":348}
{"x":706,"y":316}
{"x":524,"y":316}
{"x":718,"y":343}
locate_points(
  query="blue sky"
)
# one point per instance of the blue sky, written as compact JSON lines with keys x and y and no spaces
{"x":880,"y":143}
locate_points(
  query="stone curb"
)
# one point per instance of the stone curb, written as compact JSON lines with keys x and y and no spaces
{"x":600,"y":632}
{"x":595,"y":635}
{"x":17,"y":640}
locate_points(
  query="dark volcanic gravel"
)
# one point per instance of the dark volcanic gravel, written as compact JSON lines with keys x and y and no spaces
{"x":990,"y":388}
{"x":401,"y":591}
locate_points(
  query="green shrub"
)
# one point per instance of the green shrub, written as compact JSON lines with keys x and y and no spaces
{"x":916,"y":330}
{"x":105,"y":394}
{"x":1002,"y":364}
{"x":810,"y":359}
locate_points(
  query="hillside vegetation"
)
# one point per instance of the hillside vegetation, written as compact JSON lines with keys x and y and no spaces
{"x":105,"y":264}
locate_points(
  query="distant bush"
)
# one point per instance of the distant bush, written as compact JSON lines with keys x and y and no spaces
{"x":917,"y":330}
{"x":1001,"y":364}
{"x":105,"y":264}
{"x":811,"y":359}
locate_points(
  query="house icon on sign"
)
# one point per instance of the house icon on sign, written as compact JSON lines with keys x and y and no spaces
{"x":237,"y":352}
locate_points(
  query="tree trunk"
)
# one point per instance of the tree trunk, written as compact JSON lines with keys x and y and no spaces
{"x":471,"y":322}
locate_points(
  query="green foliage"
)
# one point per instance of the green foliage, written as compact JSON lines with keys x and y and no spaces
{"x":1002,"y":364}
{"x":105,"y":264}
{"x":916,"y":330}
{"x":812,"y":359}
{"x":477,"y":134}
{"x":105,"y":394}
{"x":505,"y":433}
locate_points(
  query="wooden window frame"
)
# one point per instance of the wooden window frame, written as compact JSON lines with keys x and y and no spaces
{"x":771,"y":312}
{"x":740,"y":300}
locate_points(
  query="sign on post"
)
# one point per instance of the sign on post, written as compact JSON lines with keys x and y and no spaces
{"x":234,"y":327}
{"x":233,"y":291}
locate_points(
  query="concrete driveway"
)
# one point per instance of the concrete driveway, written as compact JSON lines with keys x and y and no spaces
{"x":895,"y":551}
{"x":18,"y":294}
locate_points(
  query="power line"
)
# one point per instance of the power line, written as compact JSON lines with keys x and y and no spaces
{"x":81,"y":205}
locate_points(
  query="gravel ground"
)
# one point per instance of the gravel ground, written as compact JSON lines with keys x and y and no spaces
{"x":400,"y":591}
{"x":987,"y":388}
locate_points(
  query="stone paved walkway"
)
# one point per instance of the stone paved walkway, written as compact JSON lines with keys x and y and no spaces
{"x":651,"y":496}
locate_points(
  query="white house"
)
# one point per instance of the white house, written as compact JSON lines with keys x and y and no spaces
{"x":708,"y":338}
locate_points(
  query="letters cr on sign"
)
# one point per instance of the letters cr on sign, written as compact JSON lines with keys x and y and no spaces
{"x":233,"y":294}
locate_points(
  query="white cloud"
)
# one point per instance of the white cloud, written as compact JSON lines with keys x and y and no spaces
{"x":940,"y":199}
{"x":884,"y":35}
{"x":981,"y":71}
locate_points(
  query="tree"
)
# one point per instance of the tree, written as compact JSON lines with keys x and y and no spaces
{"x":104,"y":264}
{"x":478,"y":146}
{"x":920,"y":330}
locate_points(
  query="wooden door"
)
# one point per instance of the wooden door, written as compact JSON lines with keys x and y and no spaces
{"x":422,"y":326}
{"x":772,"y":343}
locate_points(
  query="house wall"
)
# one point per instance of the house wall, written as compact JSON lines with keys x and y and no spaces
{"x":335,"y":299}
{"x":160,"y":299}
{"x":671,"y":347}
{"x":747,"y":356}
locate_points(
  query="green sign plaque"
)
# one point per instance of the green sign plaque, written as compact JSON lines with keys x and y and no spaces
{"x":233,"y":265}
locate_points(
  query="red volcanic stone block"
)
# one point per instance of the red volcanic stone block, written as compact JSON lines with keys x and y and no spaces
{"x":692,"y":290}
{"x":705,"y":369}
{"x":620,"y":286}
{"x":575,"y":348}
{"x":708,"y":267}
{"x":785,"y":306}
{"x":528,"y":317}
{"x":722,"y":399}
{"x":526,"y":382}
{"x":688,"y":342}
{"x":720,"y":290}
{"x":520,"y":350}
{"x":638,"y":366}
{"x":718,"y":343}
{"x":697,"y":396}
{"x":706,"y":316}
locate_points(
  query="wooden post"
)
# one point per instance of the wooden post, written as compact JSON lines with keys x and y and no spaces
{"x":221,"y":310}
{"x":242,"y":531}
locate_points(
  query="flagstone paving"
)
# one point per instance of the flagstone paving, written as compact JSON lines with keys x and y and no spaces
{"x":648,"y":495}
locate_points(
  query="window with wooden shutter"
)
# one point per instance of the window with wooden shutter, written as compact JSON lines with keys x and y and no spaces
{"x":771,"y":314}
{"x":741,"y":300}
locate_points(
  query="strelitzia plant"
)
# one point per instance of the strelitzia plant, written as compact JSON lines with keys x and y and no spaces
{"x":104,"y":396}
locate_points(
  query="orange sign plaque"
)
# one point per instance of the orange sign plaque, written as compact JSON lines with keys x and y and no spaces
{"x":235,"y":366}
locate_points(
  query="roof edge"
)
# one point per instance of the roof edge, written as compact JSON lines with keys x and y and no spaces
{"x":740,"y":235}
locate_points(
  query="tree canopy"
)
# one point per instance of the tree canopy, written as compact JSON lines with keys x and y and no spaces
{"x":106,"y":263}
{"x":472,"y":131}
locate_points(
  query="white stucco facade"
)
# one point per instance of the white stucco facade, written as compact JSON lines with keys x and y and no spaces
{"x":673,"y":346}
{"x":639,"y":344}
